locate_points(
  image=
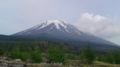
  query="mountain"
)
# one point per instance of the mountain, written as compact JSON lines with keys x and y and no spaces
{"x":11,"y":38}
{"x":52,"y":29}
{"x":57,"y":30}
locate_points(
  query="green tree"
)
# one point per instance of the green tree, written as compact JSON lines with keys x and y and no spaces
{"x":111,"y":57}
{"x":36,"y":55}
{"x":24,"y":55}
{"x":116,"y":56}
{"x":56,"y":55}
{"x":16,"y":53}
{"x":1,"y":52}
{"x":87,"y":55}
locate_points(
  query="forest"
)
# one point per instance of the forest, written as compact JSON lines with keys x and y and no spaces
{"x":53,"y":52}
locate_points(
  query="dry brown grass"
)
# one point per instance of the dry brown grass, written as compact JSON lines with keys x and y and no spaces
{"x":69,"y":63}
{"x":74,"y":63}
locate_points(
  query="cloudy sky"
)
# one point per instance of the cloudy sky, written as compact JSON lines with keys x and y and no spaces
{"x":98,"y":17}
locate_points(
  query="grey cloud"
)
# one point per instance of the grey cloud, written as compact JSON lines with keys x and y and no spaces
{"x":98,"y":25}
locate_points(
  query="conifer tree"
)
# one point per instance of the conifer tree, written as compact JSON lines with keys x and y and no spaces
{"x":56,"y":55}
{"x":87,"y":55}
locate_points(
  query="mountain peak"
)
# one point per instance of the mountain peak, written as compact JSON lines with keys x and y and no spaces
{"x":55,"y":21}
{"x":57,"y":24}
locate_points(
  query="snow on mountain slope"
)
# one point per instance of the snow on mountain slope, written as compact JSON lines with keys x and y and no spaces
{"x":51,"y":25}
{"x":57,"y":23}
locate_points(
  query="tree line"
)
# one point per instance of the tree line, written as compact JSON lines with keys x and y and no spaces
{"x":37,"y":52}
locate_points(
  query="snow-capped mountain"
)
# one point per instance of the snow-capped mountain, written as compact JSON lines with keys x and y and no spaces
{"x":57,"y":30}
{"x":51,"y":28}
{"x":51,"y":25}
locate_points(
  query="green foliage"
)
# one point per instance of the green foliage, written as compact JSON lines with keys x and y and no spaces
{"x":24,"y":55}
{"x":36,"y":56}
{"x":1,"y":52}
{"x":56,"y":55}
{"x":87,"y":55}
{"x":107,"y":58}
{"x":111,"y":57}
{"x":117,"y":57}
{"x":15,"y":53}
{"x":70,"y":56}
{"x":18,"y":54}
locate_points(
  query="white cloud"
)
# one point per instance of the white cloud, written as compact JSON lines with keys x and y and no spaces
{"x":97,"y":25}
{"x":91,"y":17}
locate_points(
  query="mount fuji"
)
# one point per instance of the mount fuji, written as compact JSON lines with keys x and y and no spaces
{"x":57,"y":30}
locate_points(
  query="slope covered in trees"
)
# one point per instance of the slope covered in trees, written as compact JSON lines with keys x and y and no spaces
{"x":51,"y":52}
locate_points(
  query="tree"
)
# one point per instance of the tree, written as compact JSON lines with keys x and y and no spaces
{"x":116,"y":56}
{"x":1,"y":52}
{"x":111,"y":57}
{"x":16,"y":53}
{"x":36,"y":55}
{"x":87,"y":55}
{"x":56,"y":55}
{"x":24,"y":55}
